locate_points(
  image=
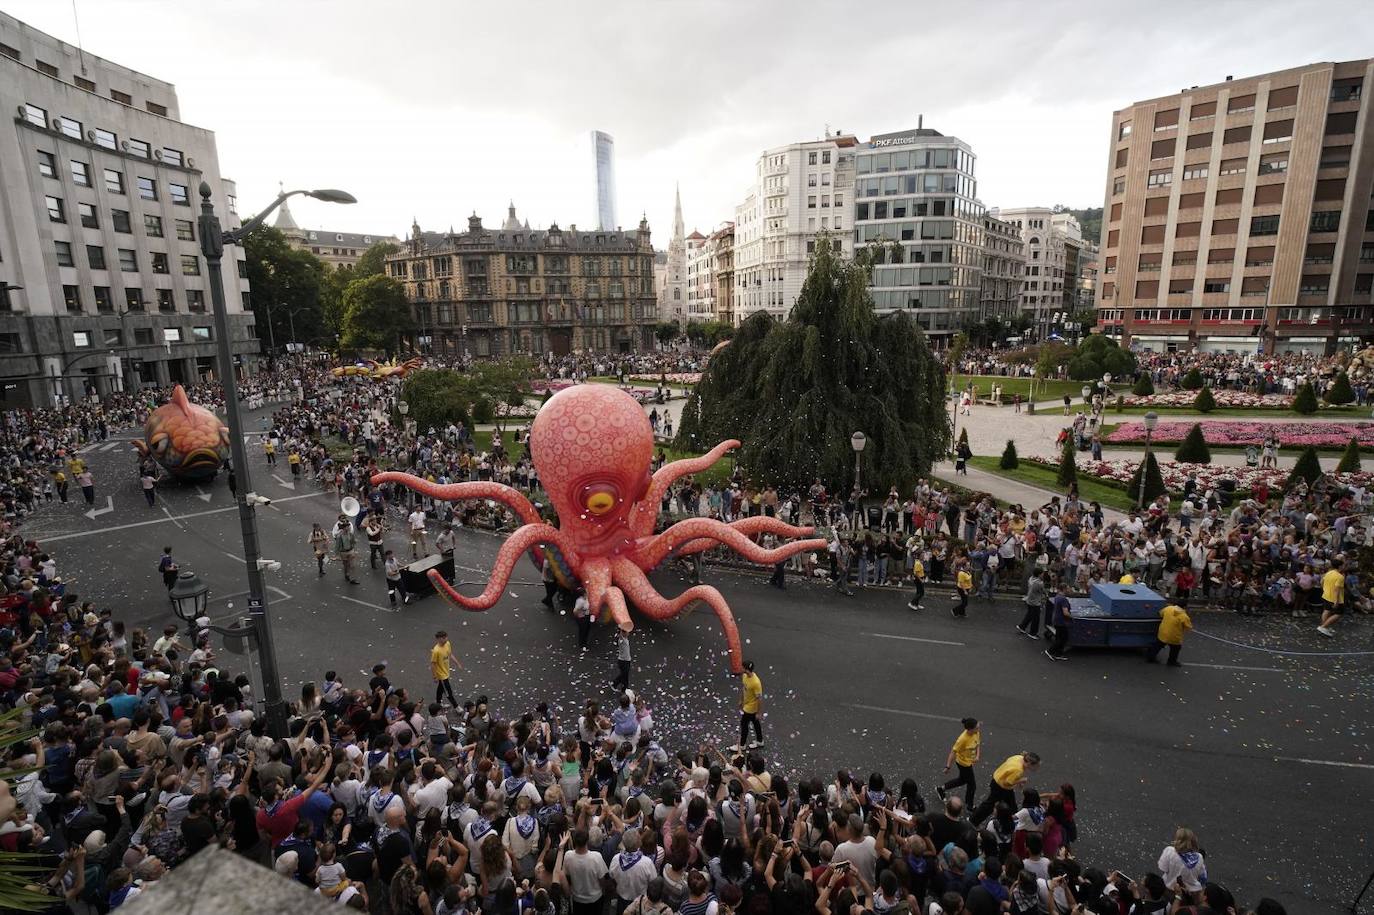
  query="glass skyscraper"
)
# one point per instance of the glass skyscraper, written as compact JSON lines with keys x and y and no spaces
{"x":603,"y":151}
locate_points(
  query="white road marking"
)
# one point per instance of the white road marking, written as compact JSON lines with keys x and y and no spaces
{"x":97,"y":512}
{"x":202,"y":495}
{"x":110,"y":446}
{"x":354,"y":600}
{"x":233,"y":557}
{"x":287,"y":483}
{"x":1325,"y":762}
{"x":902,"y":711}
{"x":912,"y":638}
{"x":1260,"y":670}
{"x":125,"y":527}
{"x":172,"y":518}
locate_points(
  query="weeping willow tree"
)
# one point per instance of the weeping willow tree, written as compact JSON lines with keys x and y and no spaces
{"x":794,"y":391}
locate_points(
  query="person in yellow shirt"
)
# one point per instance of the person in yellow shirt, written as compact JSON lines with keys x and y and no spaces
{"x":439,"y":657}
{"x":293,"y":458}
{"x":1173,"y":623}
{"x":918,"y":574}
{"x":749,"y":706}
{"x":269,"y":450}
{"x":967,"y":750}
{"x":963,"y":587}
{"x":1333,"y":595}
{"x":1007,"y":778}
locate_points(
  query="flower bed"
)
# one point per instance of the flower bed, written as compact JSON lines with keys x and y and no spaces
{"x":1223,"y":398}
{"x":670,"y":378}
{"x":540,"y":387}
{"x":1240,"y":434}
{"x":1176,"y":473}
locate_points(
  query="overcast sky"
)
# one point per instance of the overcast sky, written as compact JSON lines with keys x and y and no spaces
{"x":435,"y":108}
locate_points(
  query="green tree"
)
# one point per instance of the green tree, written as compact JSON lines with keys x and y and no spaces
{"x":335,"y":283}
{"x":286,"y":286}
{"x":1154,"y":480}
{"x":1193,"y":449}
{"x":1350,"y":457}
{"x":1099,"y":355}
{"x":437,"y":397}
{"x":1068,"y":464}
{"x":1009,"y":459}
{"x":1191,"y":381}
{"x":1143,"y":387}
{"x":697,"y":333}
{"x":1305,"y":401}
{"x":963,"y":436}
{"x":1308,"y":468}
{"x":376,"y":315}
{"x":666,"y":332}
{"x":1340,"y":391}
{"x":794,"y":391}
{"x":1204,"y":402}
{"x":373,"y":260}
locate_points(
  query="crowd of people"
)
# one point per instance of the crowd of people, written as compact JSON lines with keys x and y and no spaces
{"x":151,"y":748}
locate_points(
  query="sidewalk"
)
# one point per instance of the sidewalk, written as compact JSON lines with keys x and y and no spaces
{"x":1000,"y":487}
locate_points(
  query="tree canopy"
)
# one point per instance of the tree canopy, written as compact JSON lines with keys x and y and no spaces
{"x":286,"y":286}
{"x":336,"y":281}
{"x":437,"y":397}
{"x":375,"y":314}
{"x":794,"y":391}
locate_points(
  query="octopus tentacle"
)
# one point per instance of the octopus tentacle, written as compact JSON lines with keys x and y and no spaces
{"x":647,"y":508}
{"x":596,"y":577}
{"x":757,"y":524}
{"x":526,"y":536}
{"x":454,"y":492}
{"x":615,"y":605}
{"x":656,"y":606}
{"x":684,"y":532}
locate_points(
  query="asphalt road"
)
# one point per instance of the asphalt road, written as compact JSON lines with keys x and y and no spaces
{"x":1261,"y":744}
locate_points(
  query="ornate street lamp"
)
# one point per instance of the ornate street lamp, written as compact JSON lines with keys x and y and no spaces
{"x":1150,"y":419}
{"x":189,"y":597}
{"x":857,"y":441}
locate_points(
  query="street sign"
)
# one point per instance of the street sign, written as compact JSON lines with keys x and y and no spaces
{"x":254,"y":606}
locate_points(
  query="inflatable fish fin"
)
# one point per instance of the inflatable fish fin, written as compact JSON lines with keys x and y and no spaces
{"x":179,"y":398}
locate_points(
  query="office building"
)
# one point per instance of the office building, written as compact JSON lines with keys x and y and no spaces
{"x":336,"y":249}
{"x":916,"y":207}
{"x":722,"y":243}
{"x":516,"y":290}
{"x":603,"y":154}
{"x":801,"y":192}
{"x":1045,"y":237}
{"x":102,"y":285}
{"x":1238,"y":216}
{"x":1004,"y":269}
{"x":672,"y":292}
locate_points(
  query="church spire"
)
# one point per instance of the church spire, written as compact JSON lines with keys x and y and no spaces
{"x":677,"y":213}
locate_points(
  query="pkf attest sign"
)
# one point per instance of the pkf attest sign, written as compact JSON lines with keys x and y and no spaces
{"x":894,"y":139}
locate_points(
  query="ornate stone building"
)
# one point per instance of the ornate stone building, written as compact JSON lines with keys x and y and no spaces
{"x":334,"y":248}
{"x":498,"y":291}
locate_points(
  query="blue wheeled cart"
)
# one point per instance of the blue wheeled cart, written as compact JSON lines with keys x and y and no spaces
{"x":1115,"y":616}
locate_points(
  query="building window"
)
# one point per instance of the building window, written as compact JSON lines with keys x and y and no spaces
{"x":47,"y":164}
{"x":1314,"y":285}
{"x":119,"y":219}
{"x":190,"y":265}
{"x":103,"y":303}
{"x":186,"y":230}
{"x":195,"y":300}
{"x":811,"y":158}
{"x":81,"y":339}
{"x":71,"y":295}
{"x":64,"y":254}
{"x":155,"y":108}
{"x":1273,"y":164}
{"x":139,"y":148}
{"x":46,"y":69}
{"x":201,"y":334}
{"x":170,"y":334}
{"x":133,"y":300}
{"x":1264,"y":225}
{"x":825,"y":157}
{"x":173,"y":156}
{"x":36,"y":116}
{"x":1322,"y":221}
{"x":165,"y":304}
{"x":159,"y":262}
{"x":123,"y":98}
{"x":71,"y":127}
{"x":1216,"y":286}
{"x":114,"y":181}
{"x":1232,"y":167}
{"x":1160,"y":178}
{"x":56,"y":211}
{"x":1278,"y":131}
{"x":152,"y":225}
{"x":9,"y":52}
{"x":106,"y":139}
{"x":180,"y":196}
{"x":147,"y":188}
{"x":81,"y":174}
{"x":128,"y":260}
{"x":95,"y":256}
{"x":1119,"y":186}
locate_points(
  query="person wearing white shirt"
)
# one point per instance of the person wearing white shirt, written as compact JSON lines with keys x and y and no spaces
{"x":630,"y":869}
{"x":418,"y":535}
{"x":432,"y":791}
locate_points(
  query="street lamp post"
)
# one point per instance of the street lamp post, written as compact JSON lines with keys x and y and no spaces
{"x":212,"y":241}
{"x":1150,"y":419}
{"x":857,"y":441}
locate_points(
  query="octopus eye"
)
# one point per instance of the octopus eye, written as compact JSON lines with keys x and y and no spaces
{"x":599,"y":499}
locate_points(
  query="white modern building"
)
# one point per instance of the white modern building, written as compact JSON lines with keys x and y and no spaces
{"x":102,"y":286}
{"x":916,"y":209}
{"x":701,"y":285}
{"x":603,"y":152}
{"x":800,"y":193}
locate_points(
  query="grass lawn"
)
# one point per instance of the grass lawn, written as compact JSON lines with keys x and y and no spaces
{"x":1089,"y":490}
{"x":1053,"y":389}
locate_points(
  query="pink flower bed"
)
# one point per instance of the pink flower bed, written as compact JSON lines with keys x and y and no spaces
{"x":1176,"y":473}
{"x":672,"y":378}
{"x":643,"y":395}
{"x":1331,"y":435}
{"x":1223,"y":398}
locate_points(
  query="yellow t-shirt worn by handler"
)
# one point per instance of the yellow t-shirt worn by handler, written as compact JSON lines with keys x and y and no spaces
{"x":438,"y":660}
{"x":753,"y":692}
{"x":966,"y":748}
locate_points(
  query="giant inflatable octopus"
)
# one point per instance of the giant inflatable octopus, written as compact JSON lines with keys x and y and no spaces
{"x":189,"y":441}
{"x":592,"y":446}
